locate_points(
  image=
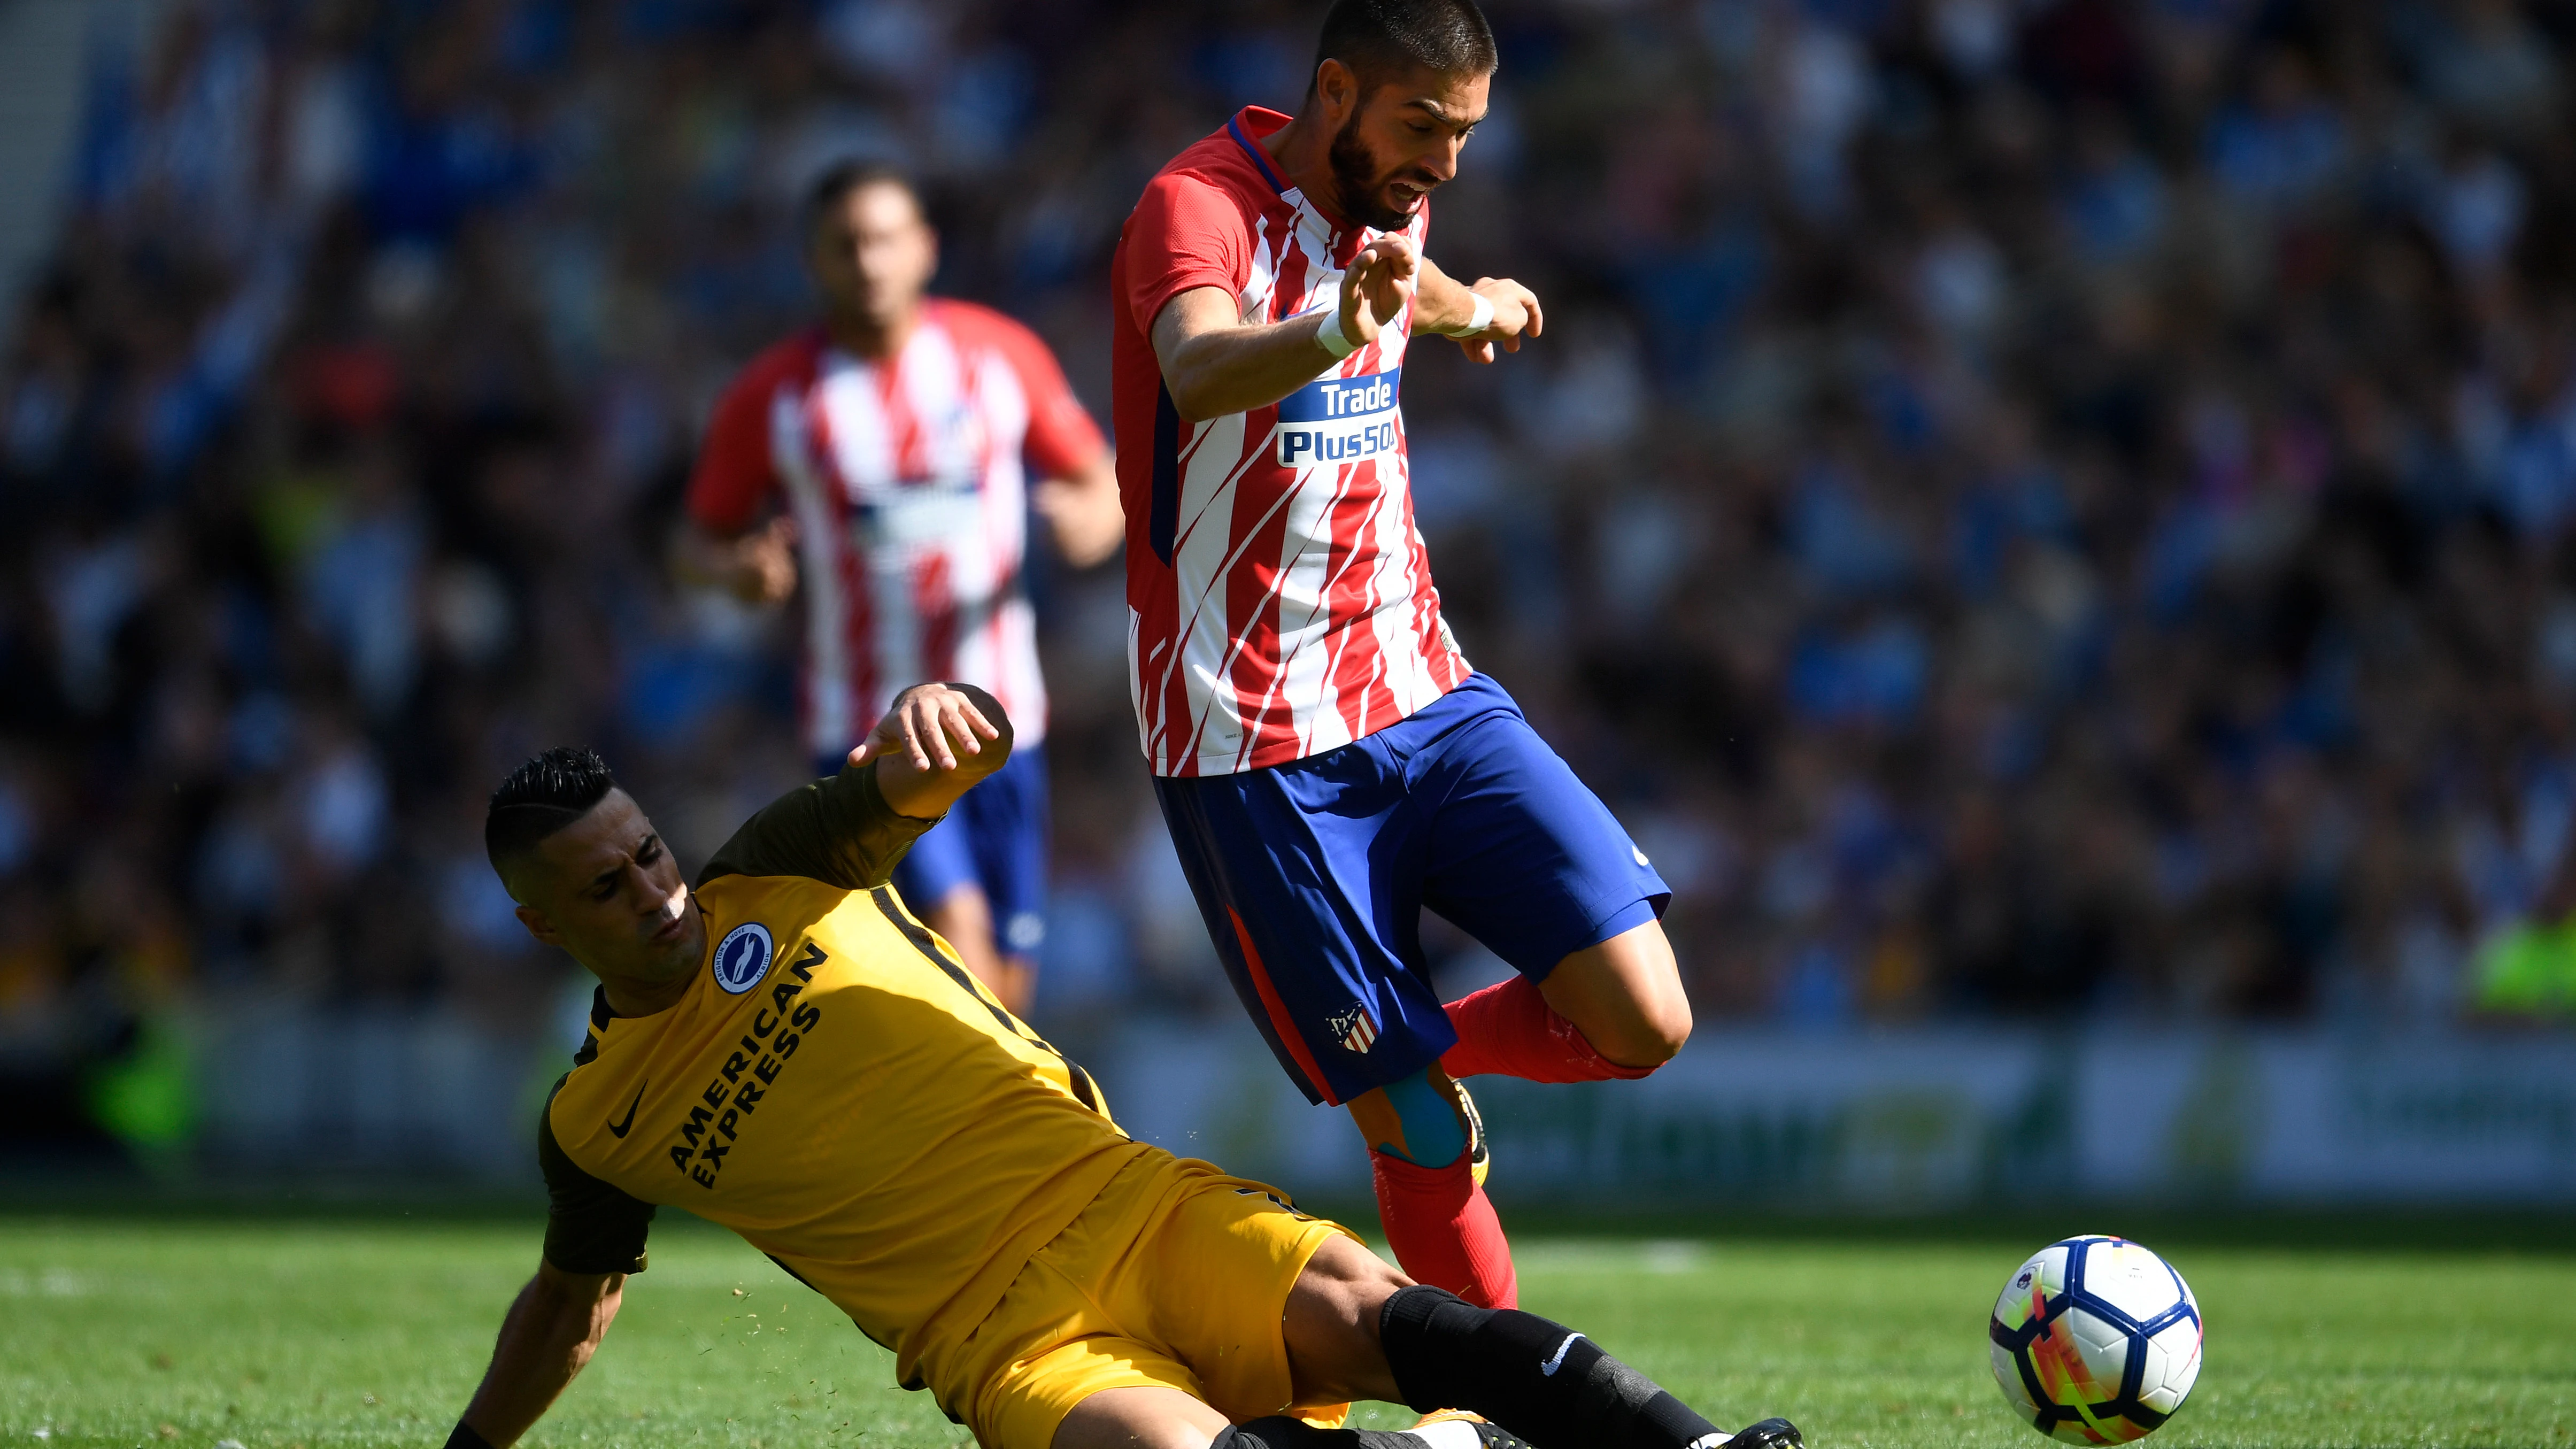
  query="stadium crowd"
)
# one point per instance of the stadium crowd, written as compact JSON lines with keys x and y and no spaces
{"x":2024,"y":506}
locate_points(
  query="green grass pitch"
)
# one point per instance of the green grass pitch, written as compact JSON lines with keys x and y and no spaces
{"x":277,"y":1335}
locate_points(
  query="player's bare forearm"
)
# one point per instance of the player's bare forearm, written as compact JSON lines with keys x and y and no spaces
{"x":1082,"y":511}
{"x":934,"y":745}
{"x":1216,"y":363}
{"x":551,"y":1331}
{"x":1443,"y":304}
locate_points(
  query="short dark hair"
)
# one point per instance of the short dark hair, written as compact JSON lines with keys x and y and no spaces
{"x":846,"y":176}
{"x":541,"y":797}
{"x":1377,"y":38}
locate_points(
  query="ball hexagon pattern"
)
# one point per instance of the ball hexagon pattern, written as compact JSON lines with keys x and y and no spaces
{"x":2095,"y":1340}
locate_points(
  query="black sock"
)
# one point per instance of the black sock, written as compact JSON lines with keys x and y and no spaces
{"x":1282,"y":1432}
{"x":1540,"y":1380}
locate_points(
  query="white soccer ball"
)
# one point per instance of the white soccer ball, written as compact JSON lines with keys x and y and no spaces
{"x":2095,"y":1341}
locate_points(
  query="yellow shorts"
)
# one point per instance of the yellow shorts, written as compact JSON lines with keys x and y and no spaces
{"x":1175,"y":1277}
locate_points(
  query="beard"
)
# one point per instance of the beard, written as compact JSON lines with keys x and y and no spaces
{"x":1357,"y":177}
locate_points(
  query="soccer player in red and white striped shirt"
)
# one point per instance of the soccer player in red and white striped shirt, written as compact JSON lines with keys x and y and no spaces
{"x":897,"y":439}
{"x":1328,"y":762}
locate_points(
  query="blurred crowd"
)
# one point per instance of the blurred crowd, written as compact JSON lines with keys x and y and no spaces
{"x":2026,"y":507}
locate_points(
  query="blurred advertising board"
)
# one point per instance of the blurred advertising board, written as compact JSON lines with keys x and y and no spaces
{"x":1926,"y":1119}
{"x":1894,"y":1119}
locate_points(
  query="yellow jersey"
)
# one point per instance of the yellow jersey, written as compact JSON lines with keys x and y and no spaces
{"x":834,"y":1086}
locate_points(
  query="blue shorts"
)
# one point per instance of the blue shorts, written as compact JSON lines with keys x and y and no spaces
{"x":1312,"y":876}
{"x":995,"y":837}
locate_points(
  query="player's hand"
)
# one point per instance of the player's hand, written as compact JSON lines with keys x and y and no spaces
{"x":1377,"y":286}
{"x":762,"y":569}
{"x":1516,"y":315}
{"x":933,"y":746}
{"x":932,"y":727}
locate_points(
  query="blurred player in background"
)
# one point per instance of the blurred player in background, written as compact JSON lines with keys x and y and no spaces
{"x":896,"y":441}
{"x":1328,"y":761}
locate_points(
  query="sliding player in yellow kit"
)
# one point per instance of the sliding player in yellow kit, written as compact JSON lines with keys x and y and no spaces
{"x":787,"y":1051}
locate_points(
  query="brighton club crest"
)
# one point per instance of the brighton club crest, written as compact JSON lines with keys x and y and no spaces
{"x":1353,"y":1027}
{"x":742,"y":957}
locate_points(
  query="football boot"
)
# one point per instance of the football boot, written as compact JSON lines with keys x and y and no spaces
{"x":1480,"y":1157}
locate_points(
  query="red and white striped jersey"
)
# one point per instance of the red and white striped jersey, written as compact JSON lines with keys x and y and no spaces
{"x":906,"y":481}
{"x":1279,"y":596}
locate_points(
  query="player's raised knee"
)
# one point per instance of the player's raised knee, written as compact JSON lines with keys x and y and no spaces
{"x":1625,"y":995}
{"x":1652,"y":1026}
{"x":1664,"y":1032}
{"x":1649,"y":1035}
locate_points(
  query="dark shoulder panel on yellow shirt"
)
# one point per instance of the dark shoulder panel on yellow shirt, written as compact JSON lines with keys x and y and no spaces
{"x":838,"y":830}
{"x":591,"y":1226}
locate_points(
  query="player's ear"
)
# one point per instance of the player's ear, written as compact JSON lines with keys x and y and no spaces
{"x":538,"y":926}
{"x":1337,"y":88}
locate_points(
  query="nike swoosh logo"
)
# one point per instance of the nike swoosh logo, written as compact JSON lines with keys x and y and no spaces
{"x":1550,"y":1367}
{"x":618,"y":1129}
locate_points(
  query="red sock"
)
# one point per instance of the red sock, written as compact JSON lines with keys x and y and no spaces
{"x":1443,"y":1229}
{"x":1510,"y":1031}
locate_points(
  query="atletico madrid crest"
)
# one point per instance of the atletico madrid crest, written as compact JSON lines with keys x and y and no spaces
{"x":1353,"y":1027}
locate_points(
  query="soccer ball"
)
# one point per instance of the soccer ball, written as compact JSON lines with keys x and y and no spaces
{"x":2095,"y":1341}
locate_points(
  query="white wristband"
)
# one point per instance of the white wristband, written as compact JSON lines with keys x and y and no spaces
{"x":1330,"y":338}
{"x":1482,"y":318}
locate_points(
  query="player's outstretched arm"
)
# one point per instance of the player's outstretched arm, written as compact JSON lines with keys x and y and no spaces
{"x":1215,"y":363}
{"x":851,"y":829}
{"x":937,"y":741}
{"x":1494,"y":310}
{"x":551,"y":1331}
